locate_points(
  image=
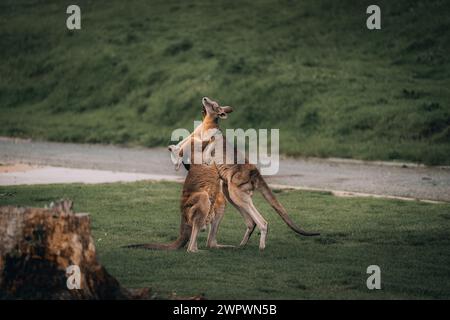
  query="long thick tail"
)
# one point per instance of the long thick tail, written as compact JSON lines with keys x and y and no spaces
{"x":180,"y":242}
{"x":270,"y":197}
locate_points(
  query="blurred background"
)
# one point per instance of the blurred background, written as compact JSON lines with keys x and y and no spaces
{"x":138,"y":69}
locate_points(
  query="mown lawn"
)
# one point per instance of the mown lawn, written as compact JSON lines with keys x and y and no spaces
{"x":410,"y":241}
{"x":138,"y":69}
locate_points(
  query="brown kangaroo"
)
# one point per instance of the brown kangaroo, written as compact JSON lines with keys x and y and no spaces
{"x":202,"y":203}
{"x":240,"y":180}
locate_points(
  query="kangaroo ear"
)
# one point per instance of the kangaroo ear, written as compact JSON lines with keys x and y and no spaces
{"x":227,"y":109}
{"x":223,"y":115}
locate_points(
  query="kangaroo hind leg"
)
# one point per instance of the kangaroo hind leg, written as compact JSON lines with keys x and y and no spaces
{"x":219,"y":209}
{"x":243,"y":200}
{"x":197,"y":215}
{"x":247,"y":218}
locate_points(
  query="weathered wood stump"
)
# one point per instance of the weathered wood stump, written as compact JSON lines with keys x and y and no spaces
{"x":38,"y":245}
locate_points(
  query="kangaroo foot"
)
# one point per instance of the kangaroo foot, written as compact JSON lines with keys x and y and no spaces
{"x":221,"y":246}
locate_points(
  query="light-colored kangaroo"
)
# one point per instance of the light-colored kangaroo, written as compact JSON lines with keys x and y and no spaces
{"x":240,"y":180}
{"x":202,"y":200}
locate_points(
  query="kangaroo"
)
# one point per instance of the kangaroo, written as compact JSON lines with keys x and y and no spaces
{"x":240,"y":180}
{"x":202,"y":203}
{"x":202,"y":200}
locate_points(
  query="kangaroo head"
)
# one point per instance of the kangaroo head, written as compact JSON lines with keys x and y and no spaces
{"x":212,"y":109}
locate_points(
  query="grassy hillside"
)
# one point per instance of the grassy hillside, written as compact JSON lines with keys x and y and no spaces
{"x":138,"y":69}
{"x":408,"y":240}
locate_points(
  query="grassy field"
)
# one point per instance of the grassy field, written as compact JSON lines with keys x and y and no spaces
{"x":137,"y":70}
{"x":408,"y":240}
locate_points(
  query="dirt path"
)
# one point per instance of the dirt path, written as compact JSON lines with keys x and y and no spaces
{"x":129,"y":164}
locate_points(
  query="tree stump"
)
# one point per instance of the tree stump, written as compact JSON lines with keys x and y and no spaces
{"x":38,"y":245}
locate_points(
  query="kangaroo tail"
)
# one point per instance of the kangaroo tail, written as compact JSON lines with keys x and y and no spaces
{"x":270,"y":197}
{"x":180,"y":242}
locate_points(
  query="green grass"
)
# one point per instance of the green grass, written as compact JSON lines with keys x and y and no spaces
{"x":137,"y":70}
{"x":408,"y":240}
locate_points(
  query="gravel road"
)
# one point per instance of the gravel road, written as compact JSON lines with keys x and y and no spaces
{"x":403,"y":180}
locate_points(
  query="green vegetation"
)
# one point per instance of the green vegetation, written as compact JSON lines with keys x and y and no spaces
{"x":408,"y":240}
{"x":138,"y":69}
